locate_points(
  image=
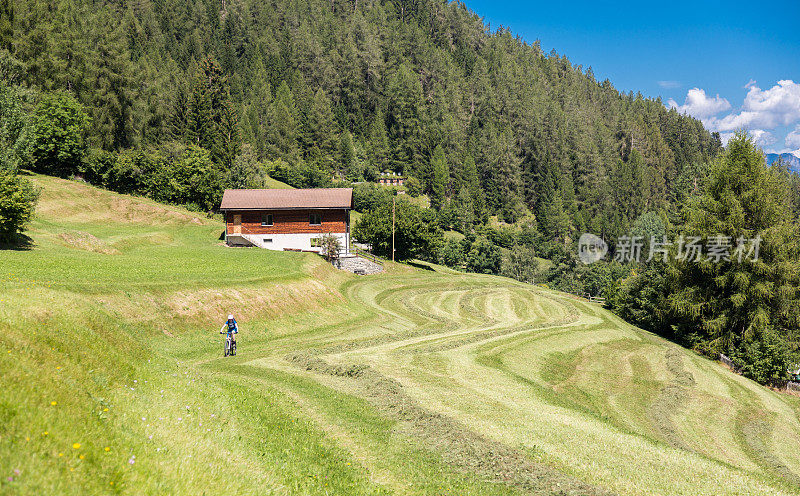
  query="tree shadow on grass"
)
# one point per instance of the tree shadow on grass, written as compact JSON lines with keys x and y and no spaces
{"x":420,"y":265}
{"x":20,"y":242}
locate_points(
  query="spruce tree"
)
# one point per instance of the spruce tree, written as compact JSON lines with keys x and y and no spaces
{"x":211,"y":120}
{"x":405,"y":107}
{"x":379,"y":142}
{"x":723,"y":305}
{"x":441,"y":177}
{"x":258,"y":111}
{"x":322,"y":127}
{"x":557,"y":219}
{"x":6,"y":24}
{"x":228,"y":143}
{"x":282,"y":131}
{"x":348,"y":164}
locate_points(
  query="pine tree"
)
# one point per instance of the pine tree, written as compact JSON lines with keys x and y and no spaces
{"x":471,"y":181}
{"x":348,"y":165}
{"x":501,"y":172}
{"x":404,"y":115}
{"x":441,"y":177}
{"x":725,"y":304}
{"x":108,"y":84}
{"x":322,"y":130}
{"x":547,"y":179}
{"x":211,"y":120}
{"x":258,"y":111}
{"x":6,"y":24}
{"x":228,"y":143}
{"x":200,"y":128}
{"x":465,"y":210}
{"x":282,"y":132}
{"x":178,"y":122}
{"x":379,"y":142}
{"x":628,"y":187}
{"x":557,"y":219}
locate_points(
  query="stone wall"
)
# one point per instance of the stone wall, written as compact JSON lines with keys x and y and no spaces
{"x":358,"y":265}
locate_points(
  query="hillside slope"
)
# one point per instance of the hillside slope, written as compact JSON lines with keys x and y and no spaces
{"x":411,"y":382}
{"x":390,"y":82}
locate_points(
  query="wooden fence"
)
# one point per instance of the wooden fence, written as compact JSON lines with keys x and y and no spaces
{"x":790,"y":385}
{"x":727,"y":361}
{"x":592,"y":299}
{"x":369,"y":256}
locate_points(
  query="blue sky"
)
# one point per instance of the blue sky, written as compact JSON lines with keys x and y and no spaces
{"x":734,"y":64}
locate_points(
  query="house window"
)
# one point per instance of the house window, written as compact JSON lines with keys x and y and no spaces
{"x":315,"y":219}
{"x":316,"y":242}
{"x":266,"y":220}
{"x":268,"y":240}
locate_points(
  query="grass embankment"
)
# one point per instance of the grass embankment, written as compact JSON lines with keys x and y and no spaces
{"x":411,"y":382}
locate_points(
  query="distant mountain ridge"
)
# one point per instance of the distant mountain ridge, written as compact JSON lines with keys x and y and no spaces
{"x":789,"y":158}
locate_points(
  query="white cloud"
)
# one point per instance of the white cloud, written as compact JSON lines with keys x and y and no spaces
{"x":763,"y":109}
{"x":793,"y":138}
{"x":780,"y":151}
{"x":761,"y":112}
{"x":699,"y":105}
{"x":725,"y":137}
{"x":763,"y":138}
{"x":670,"y":85}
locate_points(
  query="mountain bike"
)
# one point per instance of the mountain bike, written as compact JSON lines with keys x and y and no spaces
{"x":230,"y":344}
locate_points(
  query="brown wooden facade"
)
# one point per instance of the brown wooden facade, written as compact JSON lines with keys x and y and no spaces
{"x":287,"y":221}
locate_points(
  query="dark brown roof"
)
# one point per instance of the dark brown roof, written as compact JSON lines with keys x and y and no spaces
{"x":277,"y":199}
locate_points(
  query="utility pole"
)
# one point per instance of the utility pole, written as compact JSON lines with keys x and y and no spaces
{"x":394,"y":198}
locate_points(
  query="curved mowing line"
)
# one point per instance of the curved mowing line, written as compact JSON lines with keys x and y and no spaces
{"x":579,"y":358}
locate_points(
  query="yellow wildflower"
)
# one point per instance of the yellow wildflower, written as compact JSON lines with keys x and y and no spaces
{"x":76,"y":445}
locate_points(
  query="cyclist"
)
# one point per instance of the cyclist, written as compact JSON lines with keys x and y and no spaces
{"x":232,"y":327}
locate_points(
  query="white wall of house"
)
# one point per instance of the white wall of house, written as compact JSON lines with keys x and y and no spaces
{"x":299,"y":241}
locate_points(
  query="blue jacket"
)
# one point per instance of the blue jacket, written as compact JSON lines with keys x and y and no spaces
{"x":232,"y":326}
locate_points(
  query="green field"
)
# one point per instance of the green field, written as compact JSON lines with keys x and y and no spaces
{"x":274,"y":183}
{"x":410,"y":382}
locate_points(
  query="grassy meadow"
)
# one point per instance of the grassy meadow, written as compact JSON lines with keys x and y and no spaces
{"x":411,"y":382}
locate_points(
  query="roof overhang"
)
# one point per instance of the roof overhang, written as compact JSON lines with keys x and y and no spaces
{"x":284,"y":208}
{"x":287,"y":199}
